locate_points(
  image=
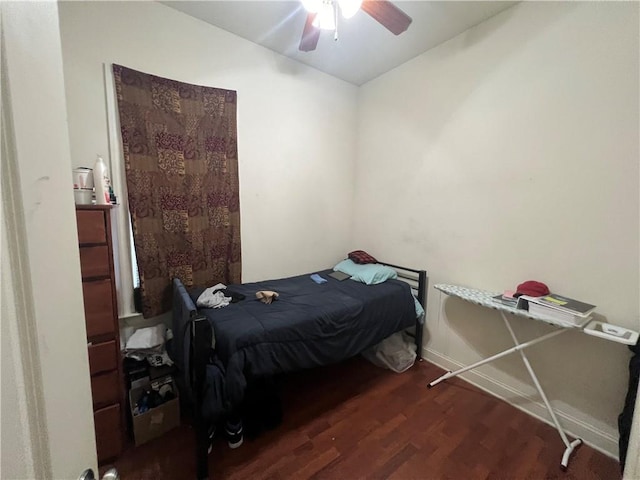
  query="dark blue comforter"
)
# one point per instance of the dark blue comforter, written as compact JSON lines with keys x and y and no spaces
{"x":309,"y":325}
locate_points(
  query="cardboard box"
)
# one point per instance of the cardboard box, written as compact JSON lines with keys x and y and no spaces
{"x":155,"y":421}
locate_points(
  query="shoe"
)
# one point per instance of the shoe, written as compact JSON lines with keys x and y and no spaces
{"x":211,"y":434}
{"x":233,"y":432}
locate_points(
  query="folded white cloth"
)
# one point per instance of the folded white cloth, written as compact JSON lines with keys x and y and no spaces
{"x":208,"y":299}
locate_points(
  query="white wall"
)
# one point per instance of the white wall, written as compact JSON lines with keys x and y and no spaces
{"x":511,"y":153}
{"x":295,"y":124}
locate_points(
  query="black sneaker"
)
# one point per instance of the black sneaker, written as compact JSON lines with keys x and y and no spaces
{"x":233,"y":431}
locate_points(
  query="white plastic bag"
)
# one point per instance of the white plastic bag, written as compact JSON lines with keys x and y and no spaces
{"x":146,"y":338}
{"x":397,"y":353}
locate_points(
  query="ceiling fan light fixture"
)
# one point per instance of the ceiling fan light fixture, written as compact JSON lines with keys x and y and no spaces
{"x":349,"y":7}
{"x":323,"y":14}
{"x":312,"y":6}
{"x":325,"y":19}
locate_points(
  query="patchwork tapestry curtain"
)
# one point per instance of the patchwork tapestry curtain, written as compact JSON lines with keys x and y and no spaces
{"x":181,"y":160}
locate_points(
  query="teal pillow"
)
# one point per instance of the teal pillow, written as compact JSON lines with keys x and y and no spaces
{"x":370,"y":273}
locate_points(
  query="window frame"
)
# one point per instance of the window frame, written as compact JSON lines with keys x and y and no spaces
{"x":123,"y":252}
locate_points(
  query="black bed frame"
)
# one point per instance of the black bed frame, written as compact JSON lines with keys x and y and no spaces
{"x":200,"y":349}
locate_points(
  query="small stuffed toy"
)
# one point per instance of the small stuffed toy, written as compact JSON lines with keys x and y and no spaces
{"x":266,"y":296}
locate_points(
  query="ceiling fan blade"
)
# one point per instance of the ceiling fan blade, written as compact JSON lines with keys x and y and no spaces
{"x":310,"y":35}
{"x":388,"y":15}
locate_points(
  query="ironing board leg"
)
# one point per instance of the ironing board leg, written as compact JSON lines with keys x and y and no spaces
{"x":567,"y":453}
{"x":517,"y":348}
{"x":570,"y":446}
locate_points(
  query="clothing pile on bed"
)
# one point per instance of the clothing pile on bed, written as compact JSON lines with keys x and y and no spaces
{"x":218,"y":296}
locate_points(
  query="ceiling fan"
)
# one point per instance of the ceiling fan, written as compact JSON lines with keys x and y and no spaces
{"x":323,"y":15}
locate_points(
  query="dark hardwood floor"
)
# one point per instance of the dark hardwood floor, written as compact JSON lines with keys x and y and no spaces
{"x":355,"y":420}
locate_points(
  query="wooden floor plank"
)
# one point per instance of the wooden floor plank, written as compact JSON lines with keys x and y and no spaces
{"x":354,"y":420}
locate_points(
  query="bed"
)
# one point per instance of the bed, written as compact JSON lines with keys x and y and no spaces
{"x":218,"y":351}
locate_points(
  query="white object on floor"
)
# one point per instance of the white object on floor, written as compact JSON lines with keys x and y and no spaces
{"x":395,"y":352}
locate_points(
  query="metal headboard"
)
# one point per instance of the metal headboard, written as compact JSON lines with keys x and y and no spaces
{"x":419,"y":282}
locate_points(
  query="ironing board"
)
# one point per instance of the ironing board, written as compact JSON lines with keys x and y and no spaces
{"x":485,"y":299}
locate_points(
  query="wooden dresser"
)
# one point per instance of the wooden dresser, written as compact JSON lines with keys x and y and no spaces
{"x":101,"y":317}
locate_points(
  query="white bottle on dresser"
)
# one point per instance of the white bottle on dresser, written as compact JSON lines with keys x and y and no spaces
{"x":101,"y":182}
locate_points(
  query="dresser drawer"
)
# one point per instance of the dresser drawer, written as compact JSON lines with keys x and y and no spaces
{"x":105,"y":389}
{"x":103,"y":357}
{"x":94,"y":261}
{"x":91,"y":226}
{"x":99,"y":311}
{"x":108,"y":433}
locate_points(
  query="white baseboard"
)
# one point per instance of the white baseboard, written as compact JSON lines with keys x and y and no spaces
{"x":574,"y":427}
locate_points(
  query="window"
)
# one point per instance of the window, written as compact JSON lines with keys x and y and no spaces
{"x":134,"y":261}
{"x":124,"y":253}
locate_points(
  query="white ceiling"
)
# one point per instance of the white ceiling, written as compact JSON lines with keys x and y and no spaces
{"x":365,"y":48}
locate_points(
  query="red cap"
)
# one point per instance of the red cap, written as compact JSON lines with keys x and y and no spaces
{"x":532,"y":289}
